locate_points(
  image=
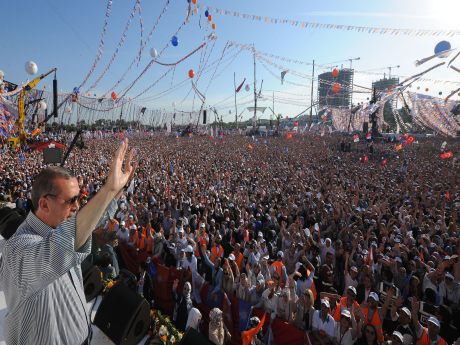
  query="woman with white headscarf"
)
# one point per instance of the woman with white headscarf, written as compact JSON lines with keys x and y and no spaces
{"x":217,"y":331}
{"x":193,"y":320}
{"x":183,"y":305}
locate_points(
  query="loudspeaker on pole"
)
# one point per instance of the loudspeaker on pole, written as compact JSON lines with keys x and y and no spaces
{"x":204,"y":117}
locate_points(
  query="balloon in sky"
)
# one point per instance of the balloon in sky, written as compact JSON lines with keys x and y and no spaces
{"x":213,"y":26}
{"x":194,"y":2}
{"x":114,"y":95}
{"x":209,"y":18}
{"x":31,"y":67}
{"x":76,"y":90}
{"x":153,"y":53}
{"x":247,"y":87}
{"x":191,"y":73}
{"x":336,"y":87}
{"x":42,"y":105}
{"x":442,"y":47}
{"x":206,"y":13}
{"x":175,"y":41}
{"x":68,"y":109}
{"x":335,"y":72}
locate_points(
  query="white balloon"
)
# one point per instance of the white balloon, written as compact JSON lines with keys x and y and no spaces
{"x":42,"y":105}
{"x":68,"y":109}
{"x":153,"y":53}
{"x":2,"y":74}
{"x":247,"y":87}
{"x":31,"y":67}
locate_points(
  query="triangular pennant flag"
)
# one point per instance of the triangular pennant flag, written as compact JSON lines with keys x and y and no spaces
{"x":283,"y":73}
{"x":248,"y":335}
{"x":240,"y":86}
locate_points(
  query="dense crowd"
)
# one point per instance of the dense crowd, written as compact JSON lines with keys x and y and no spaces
{"x":351,"y":247}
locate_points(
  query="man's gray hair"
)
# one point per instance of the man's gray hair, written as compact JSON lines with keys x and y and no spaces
{"x":44,"y":183}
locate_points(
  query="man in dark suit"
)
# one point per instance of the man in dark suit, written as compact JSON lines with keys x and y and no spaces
{"x":144,"y":283}
{"x":112,"y":242}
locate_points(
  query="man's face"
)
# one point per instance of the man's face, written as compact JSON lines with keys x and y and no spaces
{"x":62,"y":206}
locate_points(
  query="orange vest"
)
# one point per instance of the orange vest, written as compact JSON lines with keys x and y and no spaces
{"x":149,"y":244}
{"x":425,"y":339}
{"x":111,"y":225}
{"x":141,"y":242}
{"x":375,"y":321}
{"x":338,"y":309}
{"x":278,"y":266}
{"x":216,"y":252}
{"x":201,"y":240}
{"x":239,"y":260}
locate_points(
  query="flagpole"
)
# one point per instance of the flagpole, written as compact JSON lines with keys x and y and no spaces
{"x":311,"y":96}
{"x":236,"y":108}
{"x":255,"y":91}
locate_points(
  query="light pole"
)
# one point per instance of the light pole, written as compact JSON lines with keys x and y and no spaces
{"x":351,"y":89}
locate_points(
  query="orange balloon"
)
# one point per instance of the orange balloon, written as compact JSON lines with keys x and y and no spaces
{"x":194,"y":2}
{"x":213,"y":26}
{"x":336,"y":87}
{"x":209,"y":18}
{"x":335,"y":72}
{"x":114,"y":95}
{"x":191,"y":73}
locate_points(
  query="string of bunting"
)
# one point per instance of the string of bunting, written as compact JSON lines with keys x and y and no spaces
{"x":159,"y":54}
{"x":146,"y":41}
{"x":121,"y":42}
{"x":141,"y":24}
{"x":313,"y":25}
{"x":100,"y":49}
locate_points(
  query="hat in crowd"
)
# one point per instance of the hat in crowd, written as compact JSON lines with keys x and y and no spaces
{"x":122,"y":223}
{"x":449,"y":276}
{"x":202,"y":225}
{"x":325,"y":302}
{"x":352,"y":289}
{"x":231,"y":257}
{"x":406,"y":311}
{"x":346,"y":313}
{"x":181,"y":230}
{"x":374,"y":296}
{"x":434,"y":321}
{"x":189,"y":249}
{"x":399,"y":336}
{"x":280,"y":254}
{"x":133,"y":227}
{"x":260,"y":234}
{"x":131,"y":216}
{"x":398,"y":259}
{"x":354,"y":269}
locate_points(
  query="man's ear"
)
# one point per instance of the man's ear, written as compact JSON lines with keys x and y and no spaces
{"x":43,"y":205}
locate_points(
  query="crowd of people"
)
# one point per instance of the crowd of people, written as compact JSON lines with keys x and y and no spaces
{"x":350,"y":247}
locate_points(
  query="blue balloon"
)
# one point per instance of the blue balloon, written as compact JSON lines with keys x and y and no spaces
{"x":76,"y":90}
{"x":441,"y":47}
{"x":174,"y":41}
{"x":206,"y":13}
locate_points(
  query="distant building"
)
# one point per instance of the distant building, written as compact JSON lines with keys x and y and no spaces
{"x":385,"y":84}
{"x":327,"y":98}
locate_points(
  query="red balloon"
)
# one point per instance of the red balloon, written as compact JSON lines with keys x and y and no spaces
{"x":194,"y":2}
{"x":336,"y":87}
{"x":213,"y":26}
{"x":114,"y":95}
{"x":191,"y":73}
{"x":209,"y":18}
{"x":335,"y":72}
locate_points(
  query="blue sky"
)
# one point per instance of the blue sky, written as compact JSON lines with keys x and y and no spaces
{"x":65,"y":35}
